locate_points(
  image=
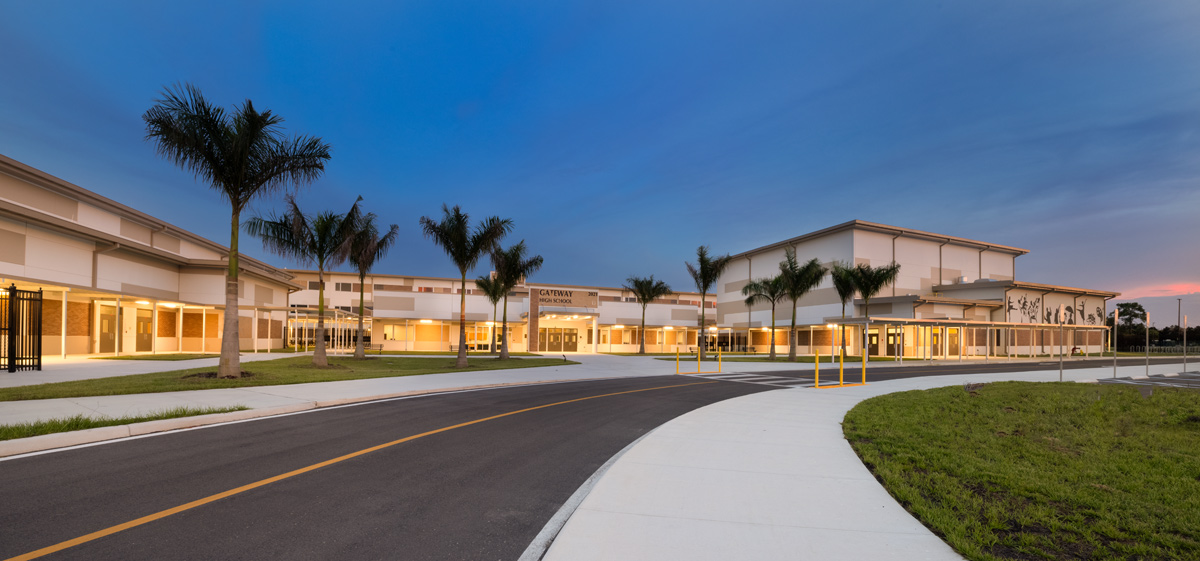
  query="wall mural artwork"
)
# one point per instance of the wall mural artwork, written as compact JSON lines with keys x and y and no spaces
{"x":1028,"y":309}
{"x":1092,"y":319}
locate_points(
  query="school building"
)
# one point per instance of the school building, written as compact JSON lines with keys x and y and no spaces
{"x":114,"y":280}
{"x":954,"y":297}
{"x":413,"y":313}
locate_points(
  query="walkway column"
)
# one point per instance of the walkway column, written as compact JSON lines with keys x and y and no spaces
{"x":596,"y":334}
{"x":203,"y":330}
{"x":120,"y":332}
{"x":66,"y":292}
{"x":154,"y":329}
{"x":254,"y":330}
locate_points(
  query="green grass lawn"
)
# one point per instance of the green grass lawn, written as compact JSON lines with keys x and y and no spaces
{"x":1020,"y":470}
{"x":80,"y":422}
{"x":291,"y":370}
{"x":402,"y":353}
{"x":171,"y":356}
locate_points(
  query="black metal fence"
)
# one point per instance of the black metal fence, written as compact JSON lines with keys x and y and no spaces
{"x":20,"y":329}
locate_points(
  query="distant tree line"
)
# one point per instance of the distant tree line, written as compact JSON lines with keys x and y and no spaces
{"x":1132,"y":331}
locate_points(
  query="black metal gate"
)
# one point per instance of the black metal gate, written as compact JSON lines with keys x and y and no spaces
{"x":20,"y":329}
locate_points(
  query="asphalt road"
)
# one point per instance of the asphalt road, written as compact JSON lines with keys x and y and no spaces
{"x":879,"y":371}
{"x":478,"y":492}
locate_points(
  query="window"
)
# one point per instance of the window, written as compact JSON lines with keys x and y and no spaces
{"x":344,"y":287}
{"x":314,"y":285}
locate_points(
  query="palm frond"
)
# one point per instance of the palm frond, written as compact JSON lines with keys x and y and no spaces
{"x":492,"y":288}
{"x":707,"y":269}
{"x":800,"y":279}
{"x":512,"y":266}
{"x":454,"y":235}
{"x":647,"y":289}
{"x":368,"y":246}
{"x":240,"y":155}
{"x":843,"y":281}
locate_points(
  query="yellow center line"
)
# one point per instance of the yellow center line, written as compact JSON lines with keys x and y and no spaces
{"x":212,"y":498}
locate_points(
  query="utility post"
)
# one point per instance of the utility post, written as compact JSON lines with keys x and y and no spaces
{"x":1060,"y":348}
{"x":1116,"y":314}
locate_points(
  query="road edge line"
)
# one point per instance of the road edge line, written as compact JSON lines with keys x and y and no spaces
{"x":541,"y":543}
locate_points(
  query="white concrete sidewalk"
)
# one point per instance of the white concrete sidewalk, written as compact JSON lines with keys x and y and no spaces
{"x":55,"y":369}
{"x":764,"y":477}
{"x":265,"y":397}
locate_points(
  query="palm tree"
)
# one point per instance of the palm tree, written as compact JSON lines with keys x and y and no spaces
{"x":241,"y":155}
{"x":324,"y":239}
{"x":464,"y":246}
{"x":366,"y":249}
{"x":771,"y":290}
{"x":511,"y":267}
{"x":843,"y":283}
{"x":798,"y":280}
{"x":646,"y":290}
{"x":705,"y":273}
{"x":869,"y":281}
{"x":494,"y":292}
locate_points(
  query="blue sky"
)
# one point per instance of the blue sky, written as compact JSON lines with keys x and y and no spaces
{"x":621,"y":135}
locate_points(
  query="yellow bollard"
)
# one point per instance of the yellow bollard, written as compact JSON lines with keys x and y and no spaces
{"x":718,"y":360}
{"x":842,"y":368}
{"x":864,"y":371}
{"x":817,"y":369}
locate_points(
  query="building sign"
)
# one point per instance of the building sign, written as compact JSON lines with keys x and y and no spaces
{"x":568,"y":298}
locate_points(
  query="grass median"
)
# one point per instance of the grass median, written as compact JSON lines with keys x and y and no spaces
{"x":80,"y":422}
{"x":290,"y":370}
{"x":1020,"y":470}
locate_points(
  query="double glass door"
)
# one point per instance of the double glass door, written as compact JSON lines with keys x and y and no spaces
{"x":559,"y":339}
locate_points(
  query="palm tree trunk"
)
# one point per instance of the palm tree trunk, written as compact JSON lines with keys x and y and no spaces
{"x":772,"y":331}
{"x":494,"y":324}
{"x":359,"y":351}
{"x":866,"y":326}
{"x":700,"y":339}
{"x":319,"y":358}
{"x":792,"y":336}
{"x":843,"y":328}
{"x":642,"y":338}
{"x":230,"y":365}
{"x":462,"y":324}
{"x":504,"y":331}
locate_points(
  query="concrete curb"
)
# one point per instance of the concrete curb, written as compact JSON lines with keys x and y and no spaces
{"x":89,"y":436}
